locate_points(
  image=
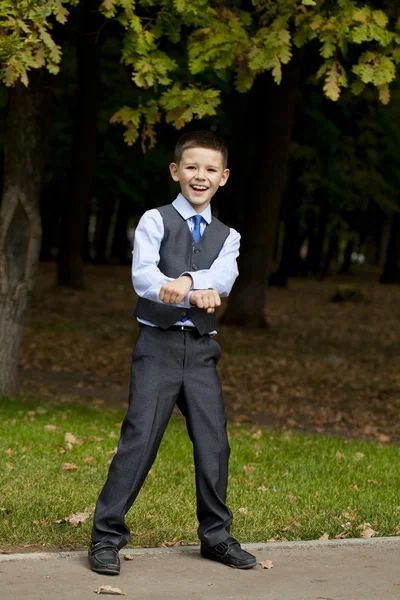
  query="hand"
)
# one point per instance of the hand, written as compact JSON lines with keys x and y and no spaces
{"x":207,"y":299}
{"x":174,"y":291}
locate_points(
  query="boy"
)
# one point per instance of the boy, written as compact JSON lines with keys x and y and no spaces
{"x":183,"y":261}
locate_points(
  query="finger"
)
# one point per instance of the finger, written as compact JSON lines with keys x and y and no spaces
{"x":179,"y":298}
{"x":210,"y":310}
{"x":211,"y":300}
{"x":162,"y":293}
{"x":199,"y":302}
{"x":167,"y":295}
{"x":206,"y":303}
{"x":217,"y":298}
{"x":172,"y":298}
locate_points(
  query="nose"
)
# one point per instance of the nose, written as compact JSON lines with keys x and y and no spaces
{"x":200,"y":176}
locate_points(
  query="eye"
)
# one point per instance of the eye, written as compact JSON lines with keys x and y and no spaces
{"x":191,"y":167}
{"x":213,"y":170}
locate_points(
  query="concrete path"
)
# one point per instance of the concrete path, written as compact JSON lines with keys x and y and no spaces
{"x":331,"y":570}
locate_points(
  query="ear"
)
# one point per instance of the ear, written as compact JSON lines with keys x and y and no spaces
{"x":173,"y":169}
{"x":224,"y":178}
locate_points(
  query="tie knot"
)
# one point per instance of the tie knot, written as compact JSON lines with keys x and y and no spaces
{"x":197,"y":220}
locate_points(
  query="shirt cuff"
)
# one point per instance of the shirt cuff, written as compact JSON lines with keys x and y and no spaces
{"x":201,"y":281}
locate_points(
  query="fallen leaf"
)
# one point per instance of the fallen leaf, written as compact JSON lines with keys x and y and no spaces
{"x":359,"y":455}
{"x":71,"y":439}
{"x":341,"y":536}
{"x":248,"y":470}
{"x":384,"y":438}
{"x":8,"y":452}
{"x":354,"y":487}
{"x":262,"y":488}
{"x":292,"y":498}
{"x":70,"y":467}
{"x":368,"y":532}
{"x":257,"y":435}
{"x":128,"y":557}
{"x":373,"y":482}
{"x":107,"y":589}
{"x":244,"y":511}
{"x":339,"y":455}
{"x":266,"y":564}
{"x":80,"y":517}
{"x":325,"y":536}
{"x":50,"y":427}
{"x":90,"y":460}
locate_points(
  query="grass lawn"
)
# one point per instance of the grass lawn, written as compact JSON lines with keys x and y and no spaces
{"x":282,"y":485}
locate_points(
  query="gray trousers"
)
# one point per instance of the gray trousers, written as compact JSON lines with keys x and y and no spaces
{"x":169,"y":367}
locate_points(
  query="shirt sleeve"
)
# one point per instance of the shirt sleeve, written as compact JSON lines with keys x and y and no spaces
{"x":223,"y":272}
{"x":147,"y":278}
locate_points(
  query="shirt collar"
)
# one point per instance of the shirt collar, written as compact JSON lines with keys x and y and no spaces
{"x":186,"y":210}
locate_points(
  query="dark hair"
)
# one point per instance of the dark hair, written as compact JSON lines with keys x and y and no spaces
{"x":201,"y":139}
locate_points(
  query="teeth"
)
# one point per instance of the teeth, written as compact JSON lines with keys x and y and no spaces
{"x":199,"y":187}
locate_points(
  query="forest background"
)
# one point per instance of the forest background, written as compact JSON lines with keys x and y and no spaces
{"x":305,"y":92}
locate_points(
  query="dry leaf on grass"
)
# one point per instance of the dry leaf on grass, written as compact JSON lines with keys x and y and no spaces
{"x":266,"y":564}
{"x":50,"y":427}
{"x":367,"y":531}
{"x":325,"y":536}
{"x":339,"y":455}
{"x":75,"y":519}
{"x":69,"y":467}
{"x":71,"y":439}
{"x":359,"y":455}
{"x":248,"y":470}
{"x":244,"y":511}
{"x":107,"y":589}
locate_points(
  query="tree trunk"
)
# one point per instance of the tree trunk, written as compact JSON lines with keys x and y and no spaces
{"x":391,"y":271}
{"x":119,"y":248}
{"x":346,"y":266}
{"x":77,"y":202}
{"x":269,"y":125}
{"x":20,"y":226}
{"x":103,"y":220}
{"x":331,"y":253}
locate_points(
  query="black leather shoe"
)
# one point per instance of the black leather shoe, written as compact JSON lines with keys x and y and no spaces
{"x":104,"y":560}
{"x":229,"y":552}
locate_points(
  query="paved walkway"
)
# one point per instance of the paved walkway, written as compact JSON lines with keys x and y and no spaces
{"x":337,"y":570}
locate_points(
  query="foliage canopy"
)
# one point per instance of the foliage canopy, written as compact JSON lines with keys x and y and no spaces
{"x":168,"y":45}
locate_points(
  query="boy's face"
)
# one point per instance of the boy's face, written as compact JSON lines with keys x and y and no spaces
{"x":200,"y":173}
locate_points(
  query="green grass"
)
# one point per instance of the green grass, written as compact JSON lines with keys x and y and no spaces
{"x":293,"y":486}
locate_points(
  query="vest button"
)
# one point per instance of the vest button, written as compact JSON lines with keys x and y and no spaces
{"x":184,"y":313}
{"x":194,"y":267}
{"x":196,"y":250}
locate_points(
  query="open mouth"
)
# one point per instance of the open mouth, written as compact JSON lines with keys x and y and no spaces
{"x":199,"y":188}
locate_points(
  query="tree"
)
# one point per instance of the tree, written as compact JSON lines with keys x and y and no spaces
{"x":25,"y":44}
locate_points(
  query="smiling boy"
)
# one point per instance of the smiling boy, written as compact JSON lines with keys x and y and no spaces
{"x":184,"y":259}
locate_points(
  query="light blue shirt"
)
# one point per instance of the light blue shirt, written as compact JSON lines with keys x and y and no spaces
{"x":147,"y":278}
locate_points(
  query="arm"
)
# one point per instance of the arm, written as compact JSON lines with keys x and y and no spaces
{"x":223,"y":272}
{"x":147,"y":278}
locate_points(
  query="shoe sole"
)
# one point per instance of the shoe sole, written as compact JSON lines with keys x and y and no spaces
{"x":242,"y":568}
{"x":105,"y":571}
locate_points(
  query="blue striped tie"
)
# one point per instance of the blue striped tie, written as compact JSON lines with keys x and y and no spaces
{"x":196,"y":229}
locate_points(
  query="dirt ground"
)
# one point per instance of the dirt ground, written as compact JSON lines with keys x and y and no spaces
{"x":321,"y":366}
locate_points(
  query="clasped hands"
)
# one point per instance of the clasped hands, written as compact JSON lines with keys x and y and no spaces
{"x":175,"y":291}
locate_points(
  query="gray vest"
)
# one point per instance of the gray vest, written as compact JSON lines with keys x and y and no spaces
{"x":179,"y":253}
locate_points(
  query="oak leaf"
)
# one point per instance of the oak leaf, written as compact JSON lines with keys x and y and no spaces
{"x":107,"y":589}
{"x":69,"y":467}
{"x":266,"y":564}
